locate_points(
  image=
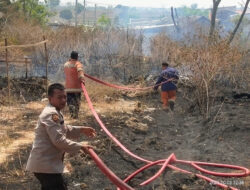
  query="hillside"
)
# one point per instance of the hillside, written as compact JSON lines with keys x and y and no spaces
{"x":138,"y":121}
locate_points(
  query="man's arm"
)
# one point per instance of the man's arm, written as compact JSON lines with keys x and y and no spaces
{"x":76,"y":131}
{"x":61,"y":141}
{"x":160,"y":79}
{"x":80,"y":72}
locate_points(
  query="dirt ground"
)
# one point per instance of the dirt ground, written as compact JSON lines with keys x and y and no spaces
{"x":138,"y":121}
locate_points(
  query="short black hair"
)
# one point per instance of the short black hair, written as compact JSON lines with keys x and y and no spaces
{"x":54,"y":86}
{"x":74,"y":55}
{"x":165,"y":64}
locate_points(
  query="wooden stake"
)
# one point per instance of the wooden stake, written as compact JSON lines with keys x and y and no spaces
{"x":7,"y":69}
{"x":76,"y":13}
{"x":47,"y":61}
{"x":26,"y":65}
{"x":84,"y":12}
{"x":95,"y":14}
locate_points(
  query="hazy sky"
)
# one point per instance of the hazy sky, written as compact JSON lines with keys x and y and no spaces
{"x":158,"y":3}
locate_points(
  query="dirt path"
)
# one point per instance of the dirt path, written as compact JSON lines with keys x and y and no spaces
{"x":152,"y":133}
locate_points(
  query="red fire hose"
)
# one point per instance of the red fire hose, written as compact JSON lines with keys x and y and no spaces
{"x":116,"y":180}
{"x":165,"y":163}
{"x":124,"y":87}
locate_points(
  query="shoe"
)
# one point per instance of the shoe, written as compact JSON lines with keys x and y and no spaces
{"x":75,"y":117}
{"x":166,"y":109}
{"x":171,"y":104}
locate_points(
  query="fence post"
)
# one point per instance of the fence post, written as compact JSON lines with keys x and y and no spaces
{"x":26,"y":65}
{"x":95,"y":14}
{"x":76,"y":13}
{"x":47,"y":61}
{"x":7,"y":69}
{"x":84,"y":12}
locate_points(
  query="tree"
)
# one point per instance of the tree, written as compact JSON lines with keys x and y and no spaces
{"x":4,"y":5}
{"x":104,"y":20}
{"x":213,"y":16}
{"x":239,"y":22}
{"x":172,"y":15}
{"x":69,"y":4}
{"x":191,"y":11}
{"x":54,"y":3}
{"x":79,"y":8}
{"x":194,"y":6}
{"x":66,"y":14}
{"x":32,"y":9}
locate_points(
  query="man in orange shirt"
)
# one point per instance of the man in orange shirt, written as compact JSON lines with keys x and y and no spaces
{"x":74,"y":75}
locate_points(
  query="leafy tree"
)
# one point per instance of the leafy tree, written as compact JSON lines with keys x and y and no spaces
{"x":69,"y":4}
{"x":4,"y":5}
{"x":66,"y":14}
{"x":79,"y":8}
{"x":194,"y":6}
{"x":104,"y":20}
{"x":192,"y":11}
{"x":54,"y":3}
{"x":32,"y":9}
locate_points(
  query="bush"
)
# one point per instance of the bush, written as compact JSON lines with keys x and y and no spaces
{"x":66,"y":14}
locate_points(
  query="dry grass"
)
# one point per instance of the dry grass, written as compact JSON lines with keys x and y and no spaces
{"x":16,"y":123}
{"x":112,"y":52}
{"x":117,"y":54}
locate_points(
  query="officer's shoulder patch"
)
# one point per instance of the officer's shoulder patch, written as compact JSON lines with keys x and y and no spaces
{"x":55,"y":118}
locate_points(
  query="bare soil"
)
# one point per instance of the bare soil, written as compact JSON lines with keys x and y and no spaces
{"x":138,"y":121}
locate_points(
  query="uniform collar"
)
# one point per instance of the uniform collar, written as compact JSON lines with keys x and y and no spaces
{"x":73,"y":60}
{"x":49,"y":105}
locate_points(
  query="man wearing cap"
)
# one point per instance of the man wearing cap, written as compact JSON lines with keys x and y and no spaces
{"x":74,"y":75}
{"x":52,"y":139}
{"x":168,"y":77}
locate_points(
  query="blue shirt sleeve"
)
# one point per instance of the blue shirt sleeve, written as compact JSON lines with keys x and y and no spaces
{"x":160,"y":79}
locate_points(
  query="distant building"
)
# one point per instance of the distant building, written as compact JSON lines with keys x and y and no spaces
{"x":223,"y":17}
{"x":195,"y":24}
{"x":187,"y":27}
{"x":224,"y":13}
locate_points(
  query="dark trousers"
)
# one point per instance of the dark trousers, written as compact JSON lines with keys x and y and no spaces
{"x":51,"y":181}
{"x":74,"y":102}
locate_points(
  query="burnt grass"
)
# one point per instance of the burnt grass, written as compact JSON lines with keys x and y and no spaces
{"x":223,"y":138}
